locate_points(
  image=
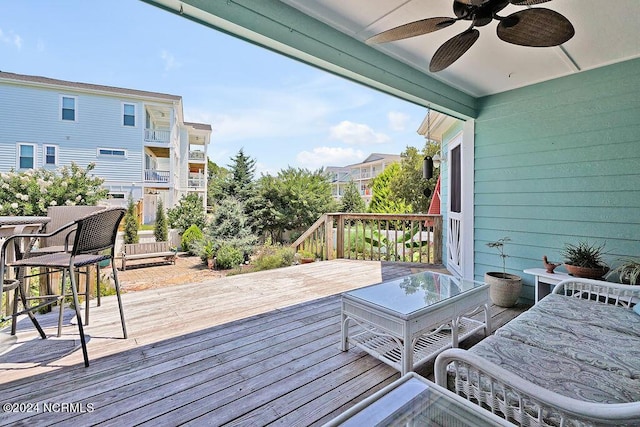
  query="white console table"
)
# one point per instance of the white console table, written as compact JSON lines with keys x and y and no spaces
{"x":544,"y":282}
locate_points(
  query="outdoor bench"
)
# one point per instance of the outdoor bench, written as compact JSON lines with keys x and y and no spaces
{"x":570,"y":360}
{"x":131,"y":251}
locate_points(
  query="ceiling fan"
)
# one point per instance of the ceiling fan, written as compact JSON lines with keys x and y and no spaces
{"x":536,"y":27}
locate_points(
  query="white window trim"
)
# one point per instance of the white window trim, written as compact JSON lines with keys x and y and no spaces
{"x":35,"y":155}
{"x":44,"y":155}
{"x":75,"y":107}
{"x":99,"y":154}
{"x":135,"y":115}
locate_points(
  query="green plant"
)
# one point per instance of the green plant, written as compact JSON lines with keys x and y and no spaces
{"x":628,"y":271}
{"x":188,"y":212}
{"x":161,"y":229}
{"x":270,"y":256}
{"x":131,"y":223}
{"x":584,"y":254}
{"x":499,"y":246}
{"x":208,"y":250}
{"x":191,"y":235}
{"x":228,"y":257}
{"x":306,"y":254}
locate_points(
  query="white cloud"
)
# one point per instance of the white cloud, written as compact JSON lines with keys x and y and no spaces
{"x":11,"y":39}
{"x":169,"y":61}
{"x":397,"y":120}
{"x":329,"y":156}
{"x":357,"y":134}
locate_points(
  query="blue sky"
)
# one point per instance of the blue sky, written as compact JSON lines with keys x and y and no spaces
{"x":280,"y":111}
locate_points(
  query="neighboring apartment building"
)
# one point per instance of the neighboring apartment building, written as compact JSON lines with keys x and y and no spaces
{"x":360,"y":173}
{"x":138,"y":140}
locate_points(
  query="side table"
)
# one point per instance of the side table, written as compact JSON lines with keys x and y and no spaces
{"x":544,"y":282}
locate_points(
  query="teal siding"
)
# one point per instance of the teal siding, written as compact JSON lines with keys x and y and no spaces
{"x":559,"y":162}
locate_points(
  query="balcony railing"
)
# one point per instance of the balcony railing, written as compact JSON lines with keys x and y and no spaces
{"x":196,"y":181}
{"x":382,"y":237}
{"x":156,"y":135}
{"x":154,"y":175}
{"x":196,"y":155}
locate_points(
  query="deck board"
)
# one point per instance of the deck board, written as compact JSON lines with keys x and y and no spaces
{"x":253,"y":349}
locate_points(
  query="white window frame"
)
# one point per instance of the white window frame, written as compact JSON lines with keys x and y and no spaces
{"x":35,"y":155}
{"x":44,"y":155}
{"x":75,"y":108}
{"x":99,"y":153}
{"x":135,"y":115}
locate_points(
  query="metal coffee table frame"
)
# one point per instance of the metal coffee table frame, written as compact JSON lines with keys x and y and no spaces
{"x":408,"y":340}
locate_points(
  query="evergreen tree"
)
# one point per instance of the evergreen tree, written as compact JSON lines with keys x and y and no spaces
{"x":382,"y":200}
{"x":131,"y":223}
{"x":230,"y":226}
{"x":161,"y":229}
{"x":351,"y":199}
{"x":216,"y":179}
{"x":239,"y":183}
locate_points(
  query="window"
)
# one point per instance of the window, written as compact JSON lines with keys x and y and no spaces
{"x":69,"y":108}
{"x":50,"y":155}
{"x":112,"y":152}
{"x":115,"y":196}
{"x":129,"y":118}
{"x":26,"y":156}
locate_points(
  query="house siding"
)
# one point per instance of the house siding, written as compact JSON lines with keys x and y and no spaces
{"x":32,"y":115}
{"x":555,"y":163}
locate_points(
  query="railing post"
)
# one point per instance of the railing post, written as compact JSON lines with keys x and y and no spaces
{"x":437,"y":240}
{"x":340,"y":237}
{"x":328,"y":235}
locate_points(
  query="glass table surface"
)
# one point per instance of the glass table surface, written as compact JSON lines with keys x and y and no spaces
{"x":411,"y":293}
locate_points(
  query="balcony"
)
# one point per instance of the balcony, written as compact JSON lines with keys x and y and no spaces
{"x":157,"y":135}
{"x":196,"y":181}
{"x":197,"y":155}
{"x":158,"y":176}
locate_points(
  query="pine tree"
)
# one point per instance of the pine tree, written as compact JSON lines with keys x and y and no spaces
{"x":161,"y":229}
{"x":351,"y":199}
{"x":239,"y":183}
{"x":130,"y":223}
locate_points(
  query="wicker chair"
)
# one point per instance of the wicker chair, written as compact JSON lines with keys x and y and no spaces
{"x":94,"y":241}
{"x":61,"y":216}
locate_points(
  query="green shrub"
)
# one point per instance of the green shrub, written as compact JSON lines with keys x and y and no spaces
{"x":191,"y":235}
{"x":228,"y":257}
{"x":188,"y":212}
{"x":161,"y":229}
{"x":131,"y":223}
{"x":273,"y":256}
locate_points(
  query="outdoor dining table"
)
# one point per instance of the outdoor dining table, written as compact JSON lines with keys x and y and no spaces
{"x":9,"y":283}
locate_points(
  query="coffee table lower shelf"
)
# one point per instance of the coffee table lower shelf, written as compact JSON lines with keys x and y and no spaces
{"x":427,"y":346}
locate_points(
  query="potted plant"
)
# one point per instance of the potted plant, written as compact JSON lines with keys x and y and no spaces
{"x":628,"y":271}
{"x":208,"y":254}
{"x":584,"y":260}
{"x":504,"y":288}
{"x":306,"y":256}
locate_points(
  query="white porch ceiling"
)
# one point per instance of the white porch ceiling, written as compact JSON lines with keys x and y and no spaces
{"x":606,"y":33}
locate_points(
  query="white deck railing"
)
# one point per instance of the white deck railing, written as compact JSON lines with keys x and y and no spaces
{"x":154,"y":175}
{"x":156,"y":135}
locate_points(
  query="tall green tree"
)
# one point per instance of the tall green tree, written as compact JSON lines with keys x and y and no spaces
{"x":230,"y":226}
{"x":382,"y":200}
{"x":239,"y":183}
{"x":351,"y":200}
{"x":291,"y":201}
{"x":408,"y":185}
{"x":189,"y":211}
{"x":131,"y":223}
{"x":216,"y":178}
{"x":161,"y":228}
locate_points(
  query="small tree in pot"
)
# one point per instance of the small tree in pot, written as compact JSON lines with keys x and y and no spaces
{"x":504,"y":288}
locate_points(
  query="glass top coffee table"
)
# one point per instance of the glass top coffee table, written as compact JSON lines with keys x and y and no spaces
{"x":415,"y":401}
{"x":410,"y":320}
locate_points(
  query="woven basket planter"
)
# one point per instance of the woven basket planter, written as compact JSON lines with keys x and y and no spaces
{"x":504,"y":289}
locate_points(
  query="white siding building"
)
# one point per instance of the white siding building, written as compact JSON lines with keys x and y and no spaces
{"x":137,"y":139}
{"x":360,"y":173}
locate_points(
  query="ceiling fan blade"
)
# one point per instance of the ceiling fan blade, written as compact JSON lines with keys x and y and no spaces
{"x":537,"y":27}
{"x":412,"y":29}
{"x":527,"y":2}
{"x":453,"y":49}
{"x":474,"y":2}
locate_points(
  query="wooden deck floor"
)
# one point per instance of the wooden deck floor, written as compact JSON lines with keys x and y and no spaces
{"x":256,"y":349}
